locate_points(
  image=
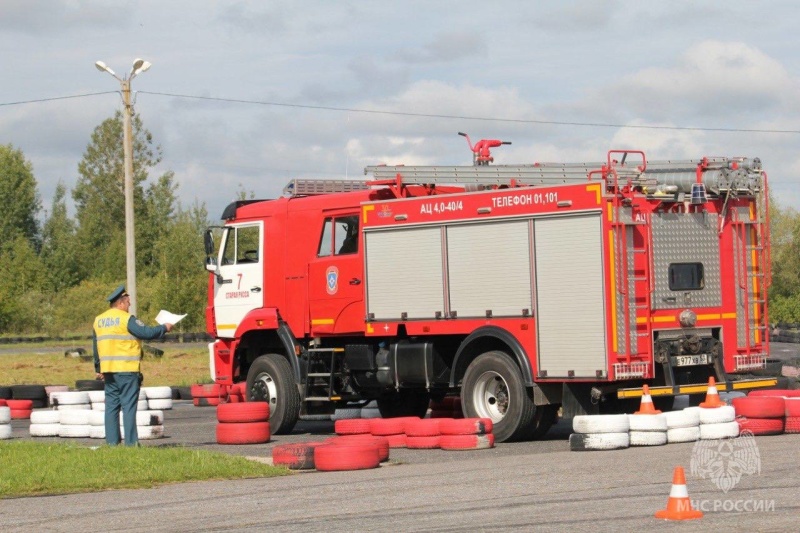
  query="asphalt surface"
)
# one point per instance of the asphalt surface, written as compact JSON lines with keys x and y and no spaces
{"x":528,"y":486}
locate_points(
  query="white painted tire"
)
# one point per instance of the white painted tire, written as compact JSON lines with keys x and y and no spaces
{"x":368,"y":412}
{"x":147,"y":418}
{"x":723,"y":430}
{"x":69,"y":398}
{"x":96,"y":396}
{"x":685,"y":418}
{"x":142,"y":394}
{"x":684,"y":434}
{"x":147,"y":432}
{"x":656,"y":422}
{"x":5,"y":414}
{"x":157,"y":393}
{"x":579,"y":442}
{"x":346,"y":413}
{"x":76,"y":431}
{"x":75,"y":407}
{"x":74,"y":417}
{"x":99,"y":406}
{"x":717,"y":415}
{"x":45,"y":416}
{"x":97,"y":418}
{"x":142,"y":405}
{"x":591,"y":424}
{"x":5,"y":431}
{"x":159,"y":403}
{"x":44,"y":430}
{"x":97,"y":432}
{"x":648,"y":438}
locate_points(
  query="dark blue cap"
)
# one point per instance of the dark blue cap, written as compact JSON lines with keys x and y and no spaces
{"x":118,"y":293}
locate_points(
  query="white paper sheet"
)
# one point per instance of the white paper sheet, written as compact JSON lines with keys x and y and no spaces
{"x":165,"y":317}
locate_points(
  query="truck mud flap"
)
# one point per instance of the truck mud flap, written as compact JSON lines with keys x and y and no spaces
{"x":700,"y":388}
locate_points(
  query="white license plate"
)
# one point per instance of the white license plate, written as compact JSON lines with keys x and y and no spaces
{"x":689,"y":360}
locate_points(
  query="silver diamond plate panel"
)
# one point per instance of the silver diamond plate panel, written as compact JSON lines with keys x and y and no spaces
{"x":686,"y":238}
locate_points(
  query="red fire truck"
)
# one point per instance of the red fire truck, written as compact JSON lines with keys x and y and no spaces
{"x":524,"y":289}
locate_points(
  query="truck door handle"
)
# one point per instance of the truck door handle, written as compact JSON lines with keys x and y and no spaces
{"x":255,"y":289}
{"x":355,"y":281}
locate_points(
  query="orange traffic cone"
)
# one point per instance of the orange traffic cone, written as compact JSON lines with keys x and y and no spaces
{"x":646,"y":407}
{"x":679,"y":506}
{"x":712,"y":396}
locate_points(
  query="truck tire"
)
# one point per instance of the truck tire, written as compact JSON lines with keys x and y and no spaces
{"x":270,"y":380}
{"x":405,"y":402}
{"x":493,"y":388}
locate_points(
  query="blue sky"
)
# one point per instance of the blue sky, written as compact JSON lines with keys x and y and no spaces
{"x":730,"y":65}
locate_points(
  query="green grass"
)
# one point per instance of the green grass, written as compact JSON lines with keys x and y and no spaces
{"x":36,"y":469}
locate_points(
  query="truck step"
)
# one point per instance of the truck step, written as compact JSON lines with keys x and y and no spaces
{"x":317,"y":399}
{"x":319,"y":374}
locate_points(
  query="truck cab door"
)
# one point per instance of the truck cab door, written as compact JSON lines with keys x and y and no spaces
{"x":239,"y":283}
{"x":336,"y":276}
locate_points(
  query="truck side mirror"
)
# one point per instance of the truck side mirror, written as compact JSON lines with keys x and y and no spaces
{"x":208,"y":240}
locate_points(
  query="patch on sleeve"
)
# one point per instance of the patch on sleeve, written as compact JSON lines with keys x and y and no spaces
{"x":139,"y":323}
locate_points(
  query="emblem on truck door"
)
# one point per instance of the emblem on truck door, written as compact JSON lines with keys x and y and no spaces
{"x":332,"y":280}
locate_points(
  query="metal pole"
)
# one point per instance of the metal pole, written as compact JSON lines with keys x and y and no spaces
{"x":130,"y":239}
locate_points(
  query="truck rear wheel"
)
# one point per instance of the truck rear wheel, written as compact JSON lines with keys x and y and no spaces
{"x":493,"y":388}
{"x":270,"y":380}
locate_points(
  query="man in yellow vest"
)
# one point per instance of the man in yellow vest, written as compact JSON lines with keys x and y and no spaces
{"x":117,"y":343}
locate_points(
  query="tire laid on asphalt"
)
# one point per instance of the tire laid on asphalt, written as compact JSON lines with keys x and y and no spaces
{"x":147,"y":432}
{"x":423,"y":443}
{"x":466,"y":442}
{"x":295,"y":456}
{"x":74,"y":431}
{"x":717,"y":415}
{"x":185,"y":393}
{"x":381,"y":442}
{"x":157,"y":393}
{"x":685,"y":418}
{"x":70,"y":398}
{"x":161,"y":404}
{"x":352,"y":426}
{"x":147,"y":417}
{"x":90,"y":384}
{"x":593,"y":424}
{"x":493,"y":387}
{"x":722,"y":430}
{"x":243,"y":433}
{"x":760,"y":407}
{"x":207,"y":390}
{"x":97,"y":432}
{"x":23,"y":405}
{"x":655,"y":423}
{"x":648,"y":438}
{"x":271,"y":379}
{"x":74,"y":417}
{"x":336,"y":457}
{"x":44,"y":430}
{"x":424,"y":427}
{"x":5,"y":393}
{"x":96,"y":418}
{"x":45,"y":417}
{"x":21,"y":414}
{"x":3,"y":403}
{"x":28,"y":392}
{"x":465,"y":426}
{"x":243,"y":412}
{"x":683,"y":434}
{"x":96,"y":396}
{"x":786,"y":393}
{"x":387,"y":426}
{"x":792,"y":407}
{"x":5,"y":431}
{"x":761,"y":426}
{"x":5,"y":414}
{"x":396,"y":441}
{"x":792,"y":424}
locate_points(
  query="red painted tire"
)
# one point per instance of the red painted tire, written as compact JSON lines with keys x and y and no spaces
{"x":792,"y":407}
{"x":761,"y":426}
{"x":465,"y":426}
{"x":381,"y":442}
{"x":243,"y":412}
{"x":335,"y":457}
{"x":206,"y":402}
{"x":424,"y":427}
{"x":239,"y":388}
{"x":787,"y":393}
{"x":396,"y":441}
{"x":20,"y":405}
{"x":352,"y":426}
{"x":423,"y":443}
{"x":235,"y":398}
{"x":295,"y":456}
{"x":436,"y":413}
{"x":20,"y":414}
{"x":466,"y":442}
{"x":453,"y":403}
{"x":759,"y":407}
{"x":3,"y":403}
{"x":243,"y":433}
{"x":208,"y":390}
{"x":792,"y":424}
{"x":386,"y":426}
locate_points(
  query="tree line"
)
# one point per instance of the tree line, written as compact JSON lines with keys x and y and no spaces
{"x":56,"y":270}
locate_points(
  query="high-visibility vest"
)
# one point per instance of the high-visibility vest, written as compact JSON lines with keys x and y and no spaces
{"x":119,"y":351}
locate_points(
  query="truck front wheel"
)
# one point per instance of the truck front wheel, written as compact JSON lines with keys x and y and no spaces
{"x":270,"y":380}
{"x":493,"y":388}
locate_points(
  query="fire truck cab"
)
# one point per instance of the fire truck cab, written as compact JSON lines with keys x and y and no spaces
{"x":524,"y":289}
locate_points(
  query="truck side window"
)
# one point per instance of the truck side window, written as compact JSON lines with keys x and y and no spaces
{"x":686,"y":277}
{"x":346,"y":235}
{"x":247,"y":245}
{"x":229,"y":254}
{"x":326,"y":239}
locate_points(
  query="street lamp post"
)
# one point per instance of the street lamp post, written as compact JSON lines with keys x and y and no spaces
{"x":139,"y":65}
